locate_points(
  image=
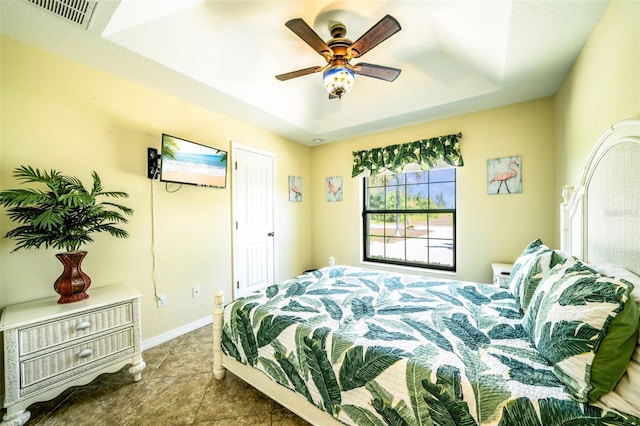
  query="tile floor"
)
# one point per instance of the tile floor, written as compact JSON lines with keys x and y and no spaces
{"x":177,"y":388}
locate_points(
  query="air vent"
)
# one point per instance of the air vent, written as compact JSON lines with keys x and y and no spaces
{"x":76,"y":11}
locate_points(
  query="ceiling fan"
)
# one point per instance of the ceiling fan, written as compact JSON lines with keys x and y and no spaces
{"x":338,"y":74}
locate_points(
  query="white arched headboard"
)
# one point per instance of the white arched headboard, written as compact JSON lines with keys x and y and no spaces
{"x":600,"y":218}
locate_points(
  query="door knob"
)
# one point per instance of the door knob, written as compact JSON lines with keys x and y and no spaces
{"x":271,"y":234}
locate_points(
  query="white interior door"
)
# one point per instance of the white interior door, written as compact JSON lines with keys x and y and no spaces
{"x":253,"y":227}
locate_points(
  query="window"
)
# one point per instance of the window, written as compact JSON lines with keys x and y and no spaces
{"x":409,"y":219}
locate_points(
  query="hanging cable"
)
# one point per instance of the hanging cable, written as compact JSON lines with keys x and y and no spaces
{"x":154,"y":270}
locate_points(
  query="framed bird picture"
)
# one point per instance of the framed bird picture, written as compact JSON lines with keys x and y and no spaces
{"x":295,"y":188}
{"x":334,"y":188}
{"x":504,"y":175}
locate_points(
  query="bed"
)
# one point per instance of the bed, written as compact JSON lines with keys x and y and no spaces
{"x":349,"y":345}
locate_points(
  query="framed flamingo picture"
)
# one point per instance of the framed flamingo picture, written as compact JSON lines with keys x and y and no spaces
{"x":504,"y":175}
{"x":334,"y":188}
{"x":295,"y":188}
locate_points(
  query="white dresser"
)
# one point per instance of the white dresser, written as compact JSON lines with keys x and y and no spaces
{"x":50,"y":347}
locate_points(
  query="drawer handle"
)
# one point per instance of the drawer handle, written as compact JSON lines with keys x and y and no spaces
{"x":83,"y":325}
{"x":85,"y":353}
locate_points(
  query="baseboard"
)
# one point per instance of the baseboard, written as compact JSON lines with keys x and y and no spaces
{"x":176,"y":332}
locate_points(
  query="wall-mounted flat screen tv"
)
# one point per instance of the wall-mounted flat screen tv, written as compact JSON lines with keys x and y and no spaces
{"x":191,"y":163}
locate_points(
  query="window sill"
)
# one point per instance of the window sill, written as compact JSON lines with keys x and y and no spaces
{"x":407,"y":269}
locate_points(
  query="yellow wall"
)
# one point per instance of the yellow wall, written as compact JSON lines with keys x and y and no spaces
{"x":490,"y":228}
{"x":602,"y":89}
{"x":60,"y":114}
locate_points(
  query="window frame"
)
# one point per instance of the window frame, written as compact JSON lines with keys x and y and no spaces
{"x":365,"y":236}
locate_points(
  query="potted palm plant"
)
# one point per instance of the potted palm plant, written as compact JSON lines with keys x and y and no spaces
{"x":61,"y":213}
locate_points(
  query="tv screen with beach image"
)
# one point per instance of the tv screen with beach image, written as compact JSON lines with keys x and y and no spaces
{"x":191,"y":163}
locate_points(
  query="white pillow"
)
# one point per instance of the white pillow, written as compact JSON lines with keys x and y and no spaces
{"x":625,"y":396}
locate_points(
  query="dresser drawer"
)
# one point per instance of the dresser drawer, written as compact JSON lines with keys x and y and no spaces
{"x":502,"y":280}
{"x":84,"y":355}
{"x":48,"y":334}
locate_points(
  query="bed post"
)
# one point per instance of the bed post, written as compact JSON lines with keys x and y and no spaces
{"x":565,"y":219}
{"x":218,"y":319}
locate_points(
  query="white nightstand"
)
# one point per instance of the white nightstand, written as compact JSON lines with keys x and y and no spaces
{"x":501,"y":273}
{"x":50,"y":347}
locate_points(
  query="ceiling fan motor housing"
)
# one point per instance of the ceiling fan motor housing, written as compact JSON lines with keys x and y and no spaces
{"x":340,"y":49}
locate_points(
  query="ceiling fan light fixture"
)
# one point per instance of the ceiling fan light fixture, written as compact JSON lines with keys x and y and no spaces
{"x":338,"y":80}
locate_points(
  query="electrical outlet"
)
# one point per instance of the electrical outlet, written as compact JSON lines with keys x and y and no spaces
{"x":195,"y":290}
{"x":162,"y":300}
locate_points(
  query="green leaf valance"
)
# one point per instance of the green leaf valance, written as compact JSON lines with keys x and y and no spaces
{"x":426,"y":153}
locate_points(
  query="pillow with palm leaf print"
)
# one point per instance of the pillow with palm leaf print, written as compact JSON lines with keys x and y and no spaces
{"x":534,"y":261}
{"x":586,"y":325}
{"x":625,"y":396}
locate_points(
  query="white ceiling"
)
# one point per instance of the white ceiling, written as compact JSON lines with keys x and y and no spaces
{"x":456,"y":56}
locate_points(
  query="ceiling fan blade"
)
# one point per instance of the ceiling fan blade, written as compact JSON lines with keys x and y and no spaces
{"x":377,"y":71}
{"x":381,"y":31}
{"x":306,"y":33}
{"x":298,"y":73}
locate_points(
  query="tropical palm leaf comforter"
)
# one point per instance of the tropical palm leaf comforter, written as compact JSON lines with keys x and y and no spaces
{"x":372,"y":348}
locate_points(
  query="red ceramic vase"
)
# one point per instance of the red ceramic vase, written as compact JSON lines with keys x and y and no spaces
{"x":72,"y":285}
